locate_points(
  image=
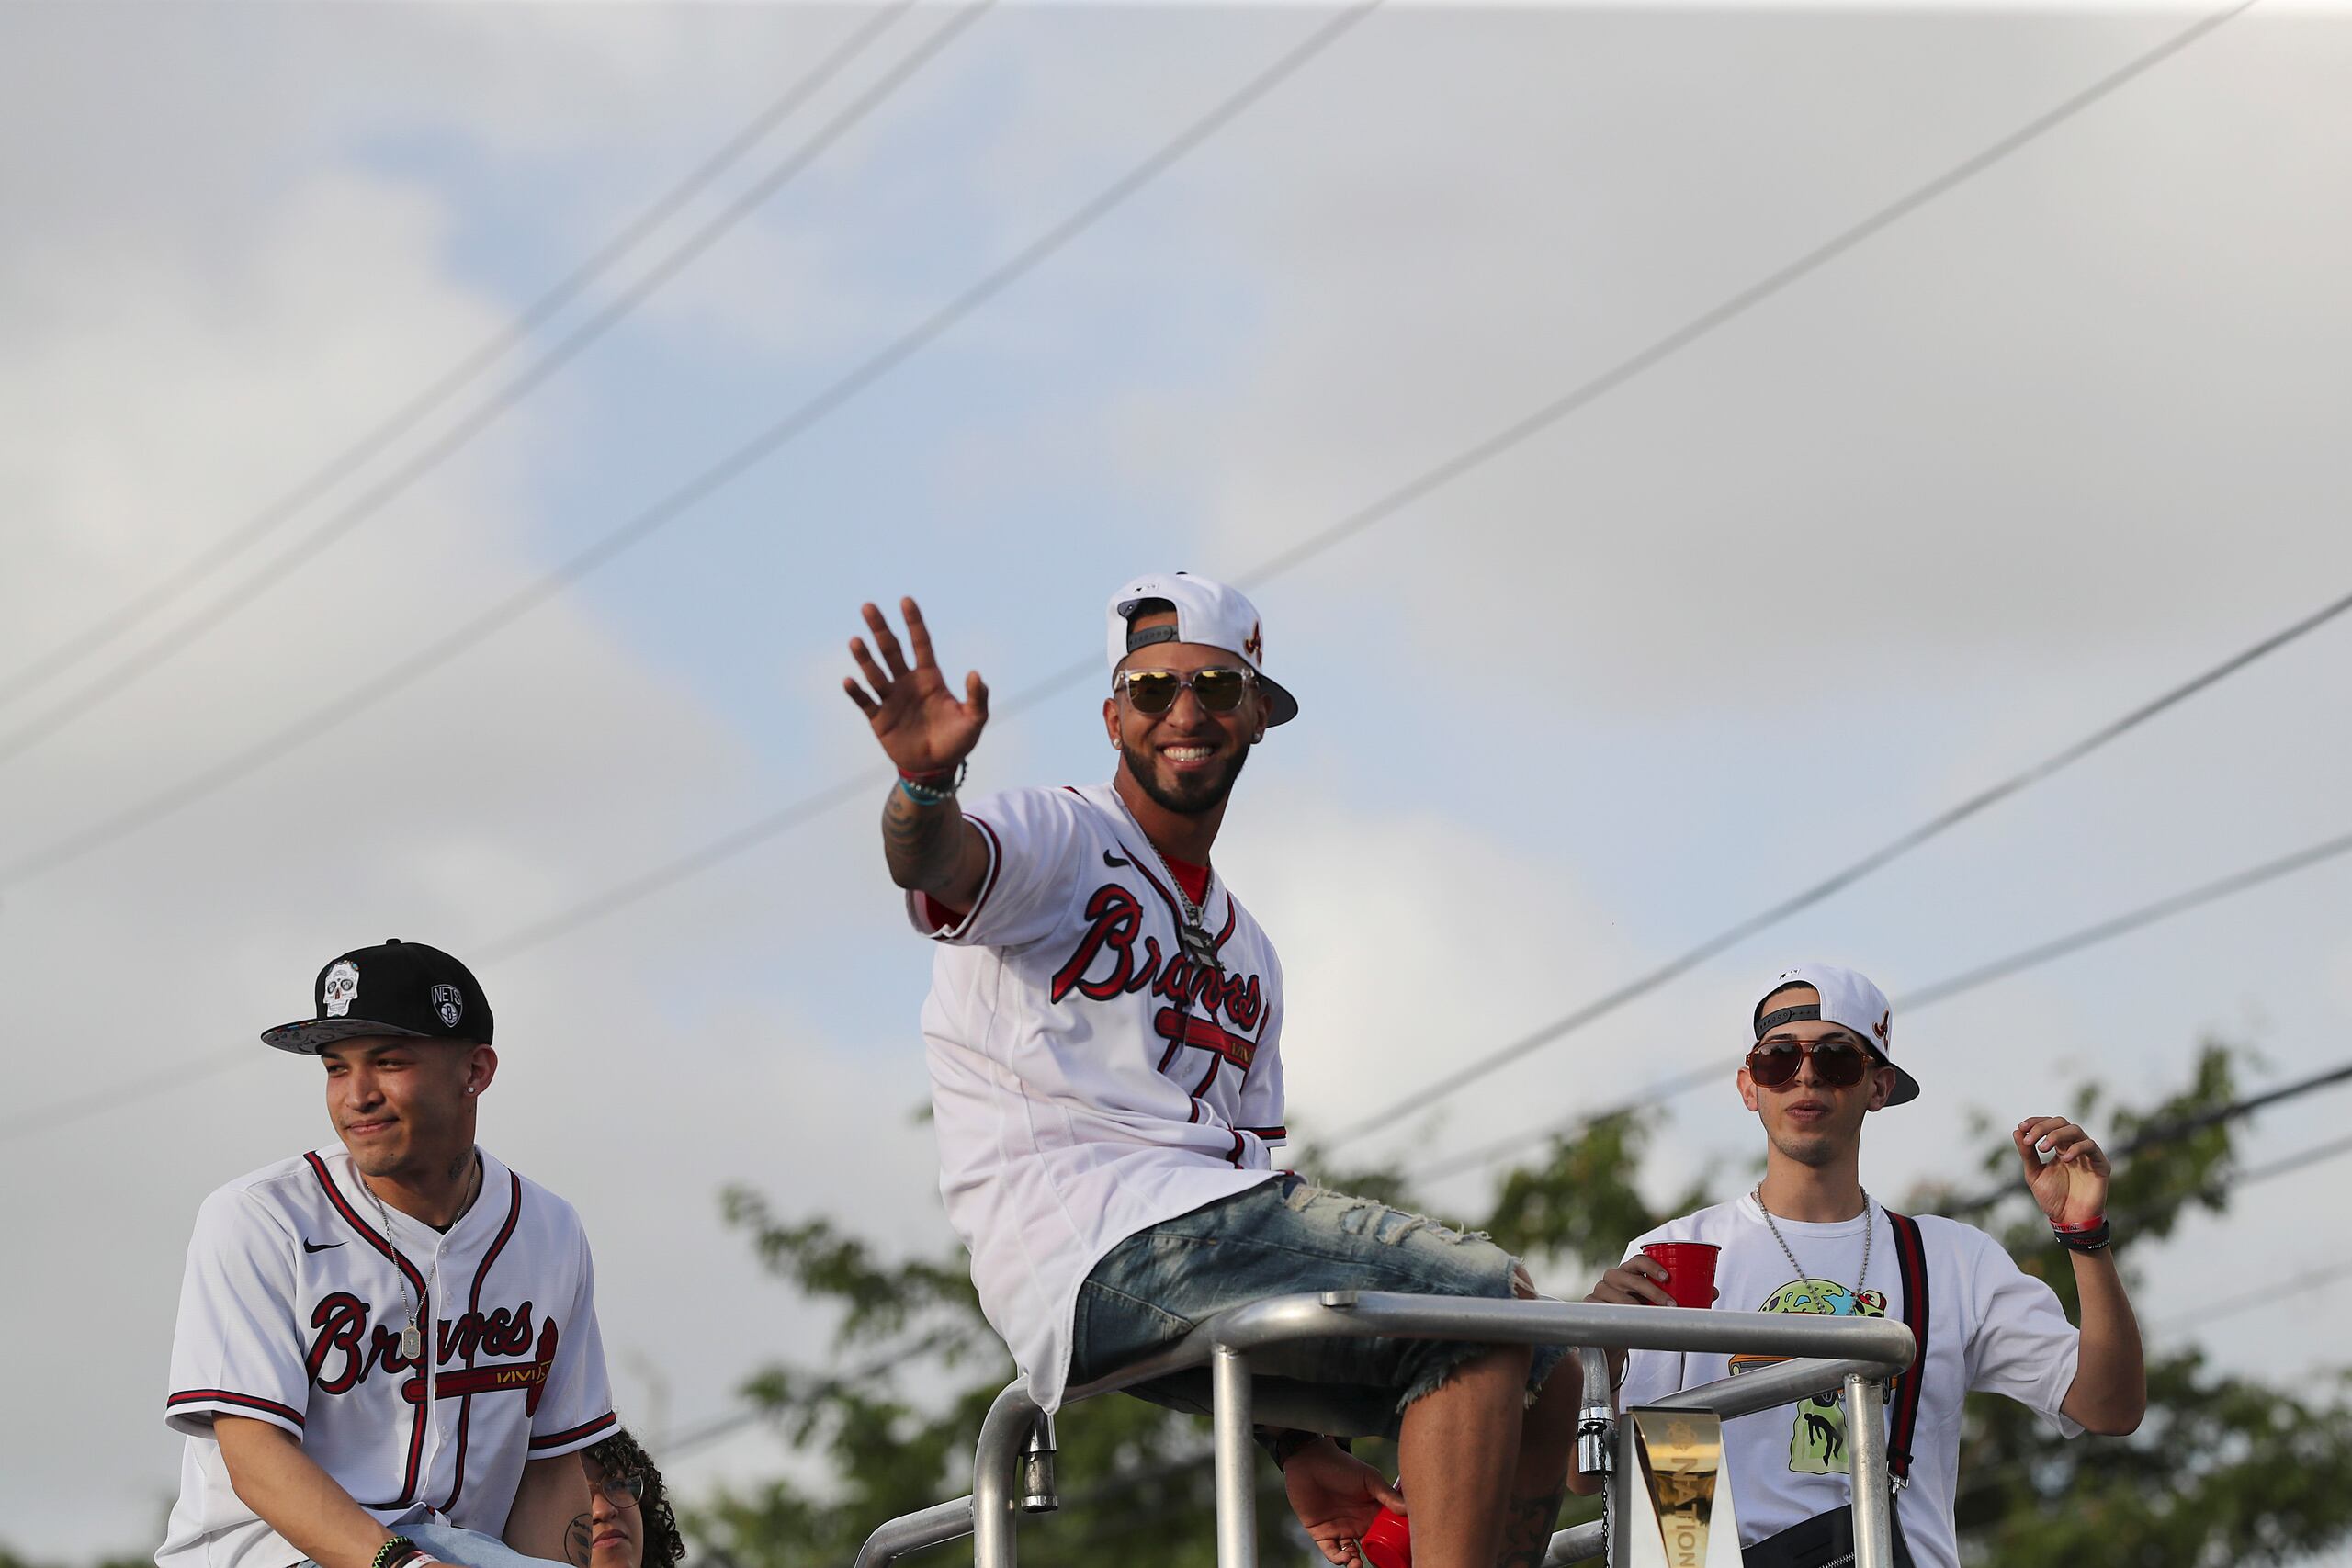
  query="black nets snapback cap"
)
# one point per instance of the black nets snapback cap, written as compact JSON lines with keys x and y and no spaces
{"x":397,"y":988}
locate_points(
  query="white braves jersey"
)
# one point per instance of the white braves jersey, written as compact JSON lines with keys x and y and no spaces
{"x":1990,"y":1326}
{"x":1087,"y":1079}
{"x":291,"y":1312}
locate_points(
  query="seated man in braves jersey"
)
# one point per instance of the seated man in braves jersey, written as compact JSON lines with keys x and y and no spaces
{"x":1810,"y":1239}
{"x":1103,"y":1038}
{"x":387,"y":1352}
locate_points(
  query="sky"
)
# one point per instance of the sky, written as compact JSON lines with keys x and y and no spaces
{"x":2048,"y":446}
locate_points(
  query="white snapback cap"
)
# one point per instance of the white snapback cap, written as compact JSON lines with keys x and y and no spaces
{"x":1209,"y":613}
{"x":1849,"y":1001}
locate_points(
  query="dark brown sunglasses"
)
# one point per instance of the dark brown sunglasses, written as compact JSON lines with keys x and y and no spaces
{"x":1837,"y":1064}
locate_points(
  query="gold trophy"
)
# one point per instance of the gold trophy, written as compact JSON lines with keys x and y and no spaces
{"x":1682,"y":1512}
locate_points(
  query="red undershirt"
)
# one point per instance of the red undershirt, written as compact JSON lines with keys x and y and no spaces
{"x":1193,"y":879}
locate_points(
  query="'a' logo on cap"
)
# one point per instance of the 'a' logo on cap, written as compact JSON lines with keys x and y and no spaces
{"x":1882,"y":1025}
{"x":1254,"y":645}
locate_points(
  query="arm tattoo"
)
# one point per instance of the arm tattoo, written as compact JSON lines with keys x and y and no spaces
{"x":575,"y":1543}
{"x":1527,"y":1529}
{"x":922,"y":843}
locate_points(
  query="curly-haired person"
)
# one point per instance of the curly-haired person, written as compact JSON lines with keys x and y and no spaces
{"x":629,"y":1523}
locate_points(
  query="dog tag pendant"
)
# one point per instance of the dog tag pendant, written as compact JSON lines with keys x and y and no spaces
{"x":412,"y":1342}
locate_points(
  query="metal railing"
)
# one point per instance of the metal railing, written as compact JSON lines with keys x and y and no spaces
{"x":1012,"y":1466}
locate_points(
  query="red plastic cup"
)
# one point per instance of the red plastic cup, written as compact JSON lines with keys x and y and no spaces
{"x":1388,"y":1542}
{"x":1689,"y":1270}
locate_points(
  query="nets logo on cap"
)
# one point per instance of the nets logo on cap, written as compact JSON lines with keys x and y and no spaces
{"x":449,"y":1004}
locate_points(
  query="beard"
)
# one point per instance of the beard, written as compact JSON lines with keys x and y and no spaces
{"x":1194,"y":798}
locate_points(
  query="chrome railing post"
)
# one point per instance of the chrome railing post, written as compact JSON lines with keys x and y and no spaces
{"x":996,"y":1477}
{"x":1237,"y":1491}
{"x":1038,"y":1493}
{"x":1873,"y":1496}
{"x":1594,"y":1412}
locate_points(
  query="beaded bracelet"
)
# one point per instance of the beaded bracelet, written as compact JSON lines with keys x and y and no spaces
{"x":933,"y":794}
{"x":399,"y":1549}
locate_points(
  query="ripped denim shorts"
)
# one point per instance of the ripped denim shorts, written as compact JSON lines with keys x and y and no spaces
{"x":1279,"y":1238}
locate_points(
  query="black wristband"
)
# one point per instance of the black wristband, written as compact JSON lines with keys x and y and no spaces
{"x":399,"y":1549}
{"x":2095,"y":1240}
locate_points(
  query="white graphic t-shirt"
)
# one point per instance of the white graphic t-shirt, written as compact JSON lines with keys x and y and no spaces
{"x":1087,"y":1079}
{"x":1992,"y":1328}
{"x":292,"y":1310}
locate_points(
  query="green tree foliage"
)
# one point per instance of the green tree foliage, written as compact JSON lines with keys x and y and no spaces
{"x":2225,"y":1470}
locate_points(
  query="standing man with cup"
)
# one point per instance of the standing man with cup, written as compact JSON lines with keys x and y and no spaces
{"x":1104,"y":1033}
{"x":1810,"y":1239}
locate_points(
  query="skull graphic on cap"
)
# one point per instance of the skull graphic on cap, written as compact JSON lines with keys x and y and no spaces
{"x":340,"y":989}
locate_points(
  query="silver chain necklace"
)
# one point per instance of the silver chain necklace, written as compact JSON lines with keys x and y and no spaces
{"x":412,"y":1336}
{"x":1870,"y":1225}
{"x":1192,"y":930}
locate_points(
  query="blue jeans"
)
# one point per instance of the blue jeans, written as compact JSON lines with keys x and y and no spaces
{"x":470,"y":1547}
{"x":1282,"y":1237}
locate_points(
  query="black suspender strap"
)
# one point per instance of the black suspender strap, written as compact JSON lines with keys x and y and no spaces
{"x":1911,"y":1256}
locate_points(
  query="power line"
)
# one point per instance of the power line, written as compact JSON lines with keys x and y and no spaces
{"x":140,"y":605}
{"x":1836,"y":882}
{"x":746,"y":837}
{"x":1926,"y":996}
{"x":2173,"y":1132}
{"x":178,"y":639}
{"x":2146,"y":915}
{"x":749,"y":836}
{"x":406,"y":671}
{"x":82,"y":1107}
{"x":2268,"y":1295}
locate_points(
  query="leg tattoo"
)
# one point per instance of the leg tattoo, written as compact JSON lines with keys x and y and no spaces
{"x":1527,"y":1529}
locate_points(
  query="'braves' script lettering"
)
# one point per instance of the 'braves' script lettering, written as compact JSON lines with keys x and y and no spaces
{"x":347,"y":1348}
{"x":1105,"y":964}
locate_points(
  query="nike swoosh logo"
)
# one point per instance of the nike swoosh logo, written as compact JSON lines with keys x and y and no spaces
{"x":310,"y":1246}
{"x":1110,"y":859}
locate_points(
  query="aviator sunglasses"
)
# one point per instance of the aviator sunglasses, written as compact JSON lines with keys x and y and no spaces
{"x":1838,"y":1063}
{"x":1154,"y":691}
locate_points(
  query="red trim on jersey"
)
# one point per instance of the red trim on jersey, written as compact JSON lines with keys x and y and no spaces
{"x":424,"y":1315}
{"x":1193,"y":879}
{"x":1238,"y":1146}
{"x":1190,"y":1029}
{"x":465,"y":1391}
{"x":556,"y":1439}
{"x":1142,"y":865}
{"x":351,"y":1217}
{"x":1269,"y":1135}
{"x":223,"y":1397}
{"x":521,"y":1376}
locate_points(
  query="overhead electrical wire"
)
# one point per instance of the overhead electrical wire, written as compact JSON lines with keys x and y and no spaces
{"x":1836,"y":882}
{"x":178,"y":639}
{"x":139,"y":606}
{"x":1926,"y":996}
{"x":746,"y":837}
{"x":406,"y":671}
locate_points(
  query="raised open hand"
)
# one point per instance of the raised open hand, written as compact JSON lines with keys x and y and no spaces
{"x":2071,"y":1188}
{"x":920,"y":725}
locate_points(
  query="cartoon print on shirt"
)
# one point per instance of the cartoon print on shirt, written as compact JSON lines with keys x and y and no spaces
{"x":1817,"y":1440}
